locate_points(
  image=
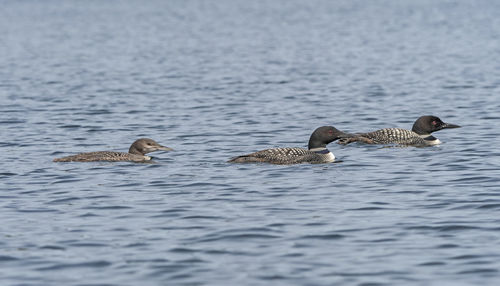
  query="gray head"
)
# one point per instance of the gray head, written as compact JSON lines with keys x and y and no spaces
{"x":145,"y":145}
{"x":429,"y":123}
{"x":324,"y":135}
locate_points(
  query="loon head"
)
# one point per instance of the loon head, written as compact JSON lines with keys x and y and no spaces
{"x":429,"y":123}
{"x":324,"y":135}
{"x":145,"y":145}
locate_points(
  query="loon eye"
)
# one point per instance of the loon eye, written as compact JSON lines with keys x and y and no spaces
{"x":330,"y":132}
{"x":434,"y":122}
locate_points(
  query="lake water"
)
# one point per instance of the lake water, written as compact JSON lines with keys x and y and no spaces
{"x":216,"y":79}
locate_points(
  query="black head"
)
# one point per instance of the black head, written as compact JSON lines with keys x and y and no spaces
{"x":324,"y":135}
{"x":429,"y":123}
{"x":145,"y":145}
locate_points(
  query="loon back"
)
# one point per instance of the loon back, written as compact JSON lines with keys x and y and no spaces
{"x":396,"y":136}
{"x":287,"y":155}
{"x":104,"y":156}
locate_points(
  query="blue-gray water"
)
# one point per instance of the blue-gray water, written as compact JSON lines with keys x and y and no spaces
{"x":215,"y":79}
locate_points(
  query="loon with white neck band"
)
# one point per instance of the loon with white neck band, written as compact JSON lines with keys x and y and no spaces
{"x":419,"y":135}
{"x":315,"y":154}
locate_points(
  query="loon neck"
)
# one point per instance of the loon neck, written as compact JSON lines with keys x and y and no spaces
{"x":430,"y":140}
{"x":420,"y":132}
{"x":133,"y":150}
{"x":320,"y":150}
{"x":427,"y":137}
{"x":316,"y":145}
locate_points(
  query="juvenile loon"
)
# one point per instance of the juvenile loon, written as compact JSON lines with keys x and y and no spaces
{"x":420,"y":134}
{"x":316,"y":153}
{"x":136,"y":153}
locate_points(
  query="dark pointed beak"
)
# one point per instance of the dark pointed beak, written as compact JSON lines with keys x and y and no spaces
{"x":449,"y":125}
{"x":346,"y":135}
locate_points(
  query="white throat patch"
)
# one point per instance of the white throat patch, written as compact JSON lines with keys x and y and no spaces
{"x":330,"y":157}
{"x":435,"y":141}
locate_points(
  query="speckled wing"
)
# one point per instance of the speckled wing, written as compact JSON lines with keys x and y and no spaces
{"x":393,"y":136}
{"x":102,"y":156}
{"x":280,"y":156}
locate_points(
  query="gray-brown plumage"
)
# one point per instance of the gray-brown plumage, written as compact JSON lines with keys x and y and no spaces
{"x":136,"y":153}
{"x":420,"y":135}
{"x":315,"y":154}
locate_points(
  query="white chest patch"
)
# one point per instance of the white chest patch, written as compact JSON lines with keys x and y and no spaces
{"x":430,"y":142}
{"x":434,"y":142}
{"x":329,"y":157}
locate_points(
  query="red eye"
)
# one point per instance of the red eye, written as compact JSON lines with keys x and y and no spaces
{"x":434,"y":122}
{"x":330,"y":132}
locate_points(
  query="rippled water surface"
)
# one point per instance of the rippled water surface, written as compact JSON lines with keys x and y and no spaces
{"x":215,"y":79}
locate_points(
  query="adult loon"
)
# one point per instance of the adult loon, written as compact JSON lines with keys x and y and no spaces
{"x":315,"y":154}
{"x":420,"y":134}
{"x":136,"y":153}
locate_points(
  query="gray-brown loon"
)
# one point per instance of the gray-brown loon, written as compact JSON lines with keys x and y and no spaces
{"x":136,"y":153}
{"x":315,"y":154}
{"x":420,"y":134}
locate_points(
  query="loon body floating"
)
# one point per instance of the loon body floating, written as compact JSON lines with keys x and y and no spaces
{"x":136,"y":153}
{"x":315,"y":154}
{"x":420,"y":134}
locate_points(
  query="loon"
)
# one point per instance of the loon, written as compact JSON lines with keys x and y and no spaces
{"x":315,"y":154}
{"x":420,"y":134}
{"x":136,"y":153}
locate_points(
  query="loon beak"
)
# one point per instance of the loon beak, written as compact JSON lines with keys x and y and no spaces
{"x":164,"y":148}
{"x":346,"y":135}
{"x":157,"y":147}
{"x":449,"y":125}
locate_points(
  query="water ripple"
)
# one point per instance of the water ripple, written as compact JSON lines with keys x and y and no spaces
{"x":91,"y":264}
{"x":217,"y":79}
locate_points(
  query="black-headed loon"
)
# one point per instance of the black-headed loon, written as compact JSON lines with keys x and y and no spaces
{"x":420,"y":134}
{"x":136,"y":153}
{"x":315,"y":154}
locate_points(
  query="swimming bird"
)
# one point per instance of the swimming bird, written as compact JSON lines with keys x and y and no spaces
{"x":420,"y":134}
{"x":315,"y":154}
{"x":136,"y":153}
